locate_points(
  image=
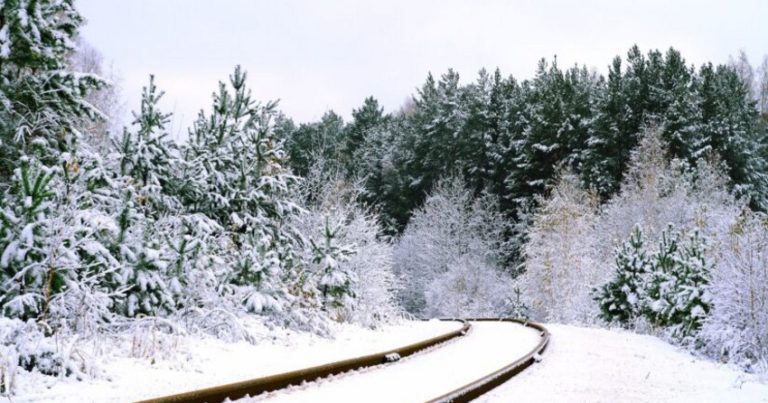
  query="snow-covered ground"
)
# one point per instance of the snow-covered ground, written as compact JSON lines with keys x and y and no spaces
{"x":487,"y":347}
{"x":580,"y":365}
{"x":598,"y":365}
{"x":179,"y":364}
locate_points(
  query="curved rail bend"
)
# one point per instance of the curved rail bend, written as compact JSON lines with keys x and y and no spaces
{"x":271,"y":383}
{"x":485,"y":384}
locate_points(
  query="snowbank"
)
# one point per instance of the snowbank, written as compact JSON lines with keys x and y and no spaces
{"x":598,"y":365}
{"x":179,"y":364}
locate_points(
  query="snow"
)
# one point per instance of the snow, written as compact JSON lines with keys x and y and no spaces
{"x":175,"y":364}
{"x":598,"y":365}
{"x":580,"y":365}
{"x":487,"y":347}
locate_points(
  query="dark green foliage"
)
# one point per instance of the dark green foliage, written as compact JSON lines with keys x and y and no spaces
{"x":313,"y":142}
{"x":335,"y":283}
{"x":510,"y":137}
{"x":28,"y":278}
{"x":39,"y":100}
{"x":364,"y":120}
{"x":146,"y":154}
{"x":620,"y":300}
{"x":677,"y":297}
{"x":668,"y":287}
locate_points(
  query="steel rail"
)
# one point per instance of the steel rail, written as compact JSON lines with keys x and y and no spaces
{"x":271,"y":383}
{"x":485,"y":384}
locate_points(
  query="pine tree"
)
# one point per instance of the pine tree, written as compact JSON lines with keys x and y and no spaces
{"x":621,"y":299}
{"x":334,"y":281}
{"x":731,"y":131}
{"x":661,"y":279}
{"x":28,"y":278}
{"x":40,"y":101}
{"x":607,"y":149}
{"x":367,"y":118}
{"x":313,"y":142}
{"x":691,"y":299}
{"x":556,"y":115}
{"x":145,"y":163}
{"x":235,"y":172}
{"x":677,"y":285}
{"x":147,"y":156}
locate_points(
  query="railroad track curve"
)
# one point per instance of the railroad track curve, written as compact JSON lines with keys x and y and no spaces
{"x":370,"y":365}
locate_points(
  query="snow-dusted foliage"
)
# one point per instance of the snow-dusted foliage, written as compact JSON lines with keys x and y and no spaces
{"x":334,"y":279}
{"x":40,"y":101}
{"x":683,"y":212}
{"x":674,"y":252}
{"x":350,"y":274}
{"x":28,"y":282}
{"x":451,"y":257}
{"x":620,"y":299}
{"x":657,"y":192}
{"x":677,"y":297}
{"x":667,"y":287}
{"x":736,"y":330}
{"x":234,"y":172}
{"x":560,"y":261}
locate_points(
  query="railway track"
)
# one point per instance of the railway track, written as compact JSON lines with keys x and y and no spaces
{"x":459,"y":389}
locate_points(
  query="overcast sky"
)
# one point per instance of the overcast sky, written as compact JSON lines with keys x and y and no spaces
{"x":320,"y":55}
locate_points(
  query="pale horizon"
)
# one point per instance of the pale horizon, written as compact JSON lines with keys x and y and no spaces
{"x":317,"y":57}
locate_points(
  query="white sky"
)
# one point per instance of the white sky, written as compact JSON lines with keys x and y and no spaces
{"x":320,"y":55}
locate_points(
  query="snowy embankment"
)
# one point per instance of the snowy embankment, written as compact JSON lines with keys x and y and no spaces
{"x":598,"y":365}
{"x":174,"y":364}
{"x":487,"y":347}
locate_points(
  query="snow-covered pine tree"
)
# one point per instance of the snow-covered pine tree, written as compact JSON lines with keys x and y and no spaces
{"x":335,"y":281}
{"x":147,"y":155}
{"x":235,"y":172}
{"x":331,"y":201}
{"x":660,"y":281}
{"x":40,"y":101}
{"x":365,"y":119}
{"x":673,"y":93}
{"x":730,"y":127}
{"x":677,"y":285}
{"x":143,"y":275}
{"x":611,"y":134}
{"x":434,"y":141}
{"x":691,"y":299}
{"x":621,"y":299}
{"x":555,"y":121}
{"x":41,"y":105}
{"x":144,"y":161}
{"x":27,"y":278}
